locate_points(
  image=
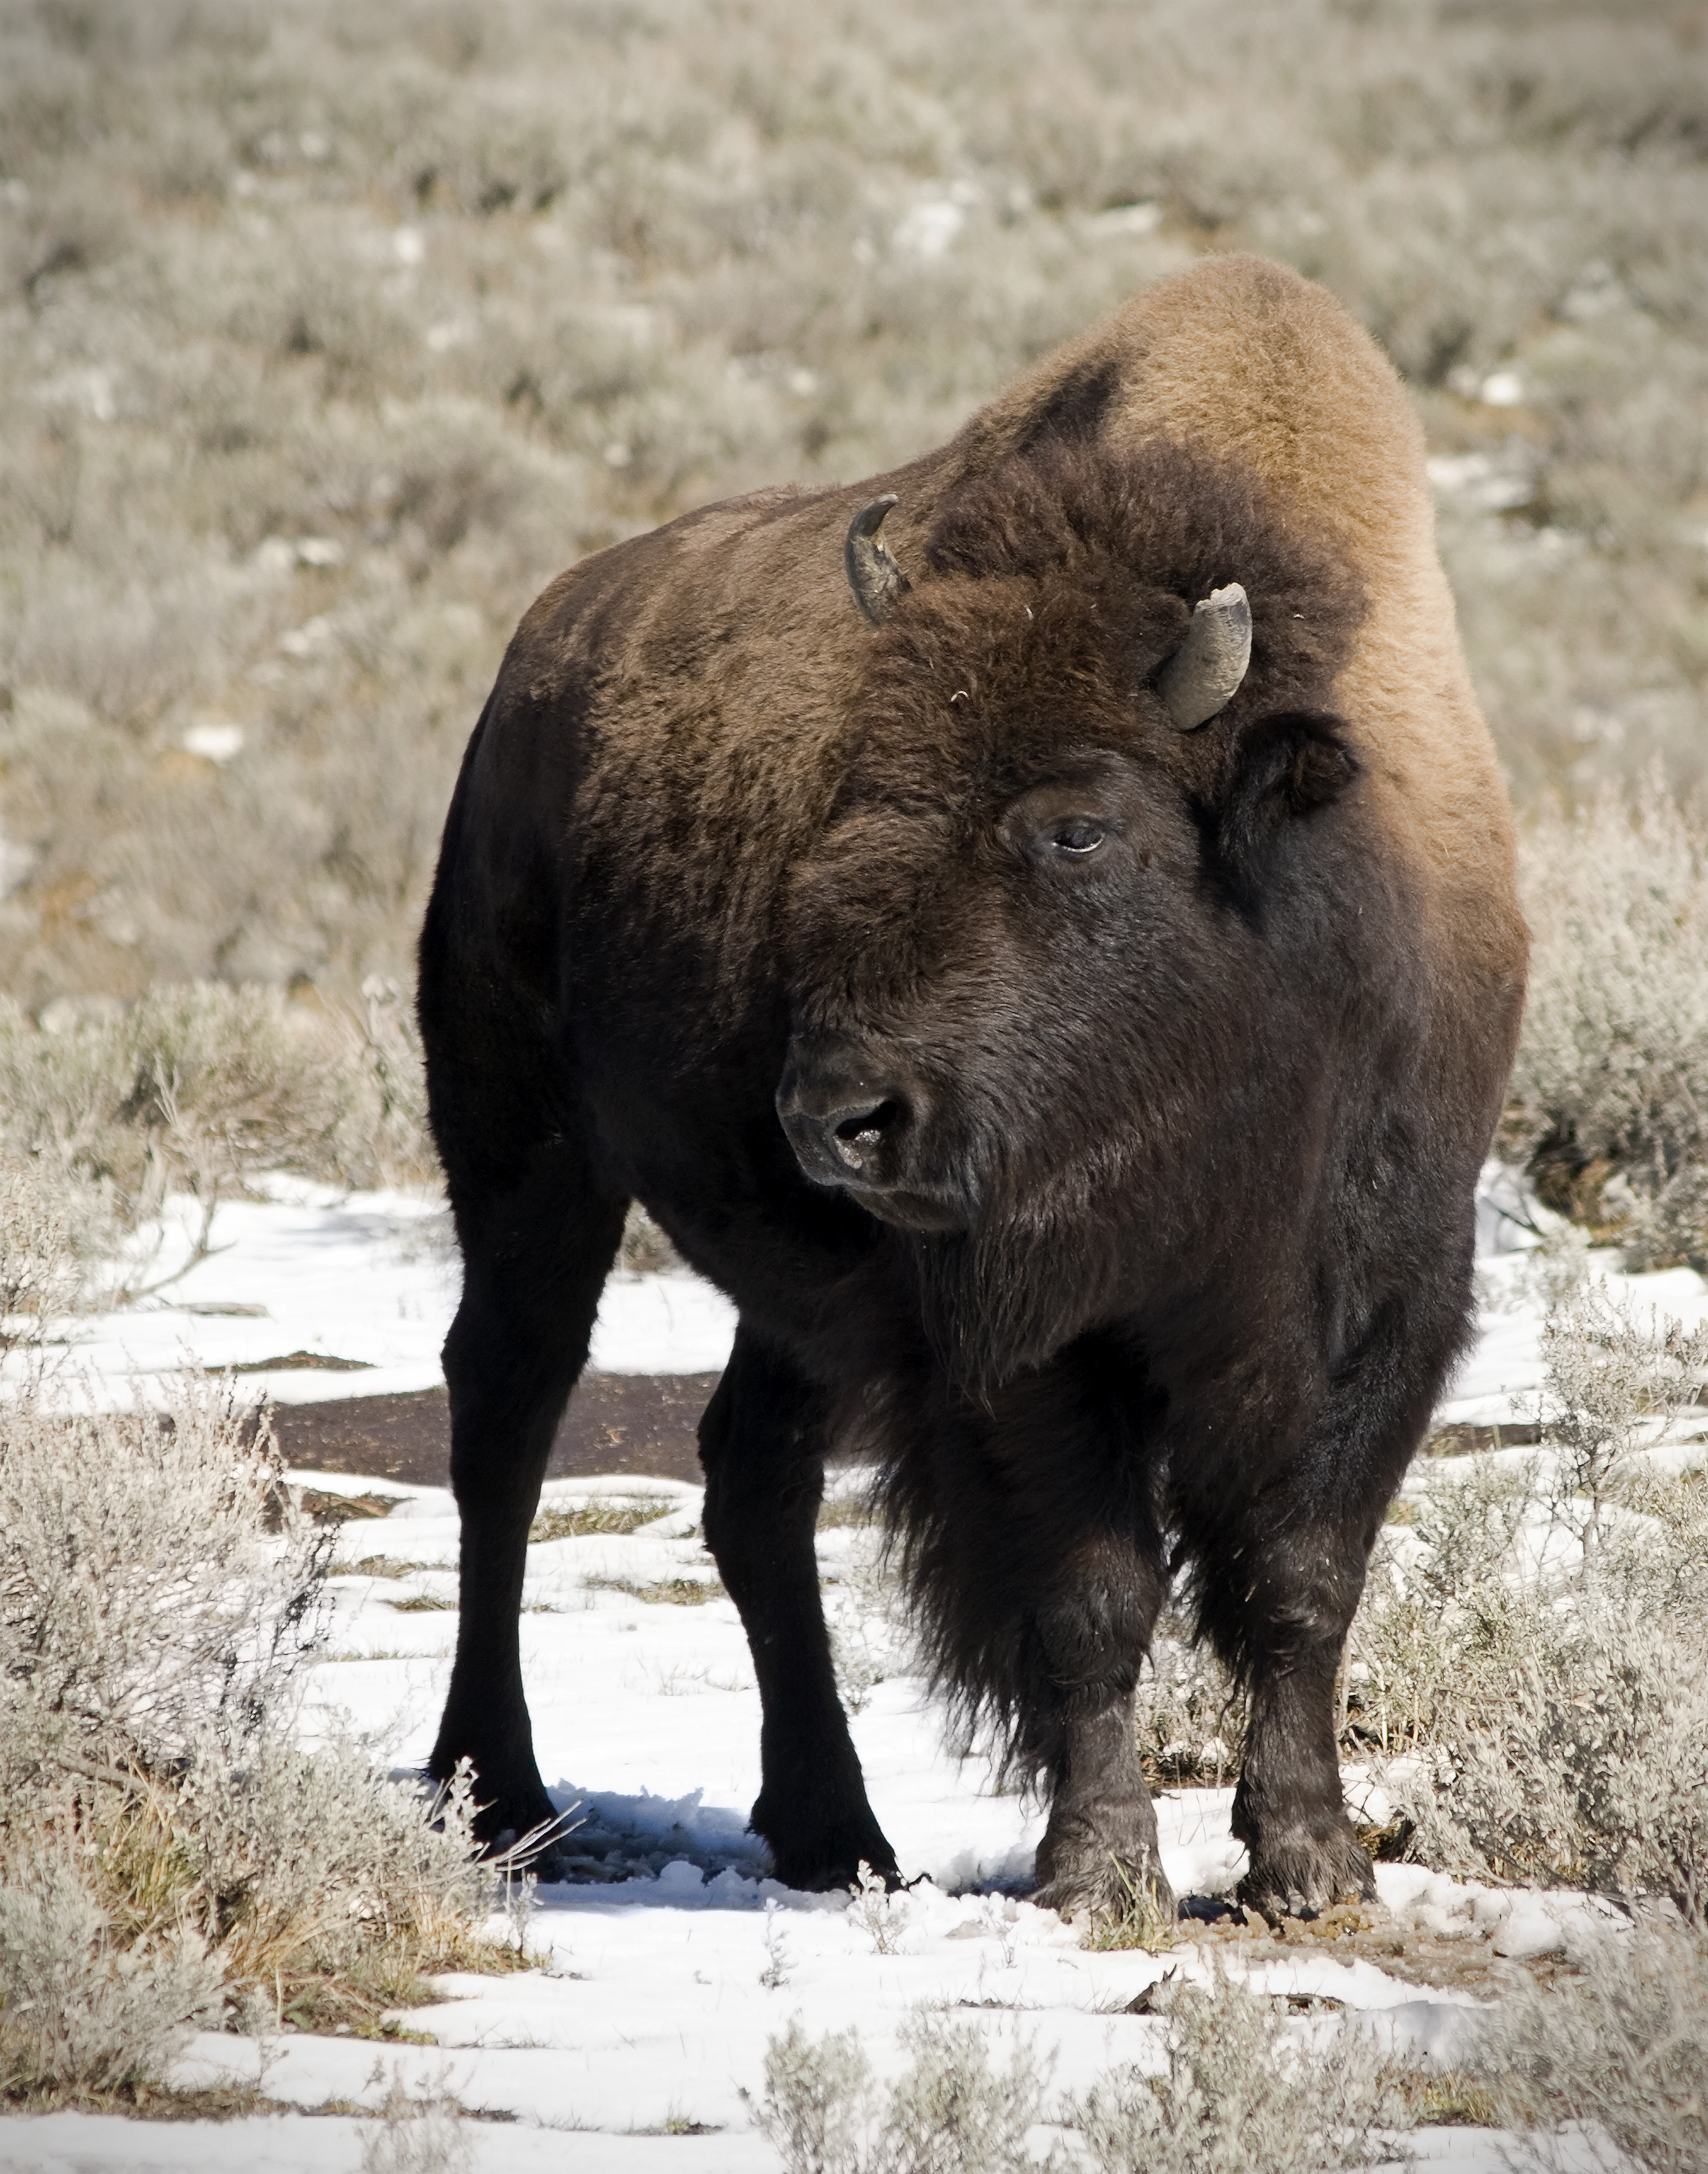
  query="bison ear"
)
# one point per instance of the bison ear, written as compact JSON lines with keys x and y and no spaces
{"x":1279,"y":768}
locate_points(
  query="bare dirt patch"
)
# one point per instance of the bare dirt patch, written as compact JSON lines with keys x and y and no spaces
{"x":639,"y":1422}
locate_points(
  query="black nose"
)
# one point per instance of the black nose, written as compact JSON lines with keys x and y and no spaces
{"x":857,"y":1135}
{"x":845,"y":1119}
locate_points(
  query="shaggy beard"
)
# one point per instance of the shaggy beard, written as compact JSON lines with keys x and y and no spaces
{"x":1005,"y":1297}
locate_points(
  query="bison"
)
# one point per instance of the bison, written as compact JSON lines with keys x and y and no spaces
{"x":1057,"y":975}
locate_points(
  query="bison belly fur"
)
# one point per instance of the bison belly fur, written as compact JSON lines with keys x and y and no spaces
{"x":1037,"y":929}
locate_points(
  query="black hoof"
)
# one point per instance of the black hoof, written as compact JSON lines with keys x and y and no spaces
{"x":818,"y":1847}
{"x":1103,"y":1885}
{"x":820,"y":1865}
{"x":1208,"y":1909}
{"x":819,"y":1876}
{"x":538,"y":1853}
{"x":520,"y":1824}
{"x":1305,"y":1877}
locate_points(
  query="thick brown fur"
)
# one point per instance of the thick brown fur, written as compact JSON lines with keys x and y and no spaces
{"x":1155,"y":1229}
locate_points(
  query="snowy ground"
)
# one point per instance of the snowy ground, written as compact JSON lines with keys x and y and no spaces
{"x":674,"y":1965}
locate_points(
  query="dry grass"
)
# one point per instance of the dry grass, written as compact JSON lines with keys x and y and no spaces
{"x":841,"y":1511}
{"x":329,"y":333}
{"x":585,"y":1519}
{"x":1138,"y":1924}
{"x":666,"y":1591}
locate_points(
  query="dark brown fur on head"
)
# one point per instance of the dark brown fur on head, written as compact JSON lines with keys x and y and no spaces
{"x":1063,"y":1041}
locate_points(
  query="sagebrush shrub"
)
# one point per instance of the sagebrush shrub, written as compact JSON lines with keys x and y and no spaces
{"x":1609,"y":1102}
{"x":202,"y":1089}
{"x":81,"y":2009}
{"x":1241,"y":2092}
{"x":53,"y":1230}
{"x":157,"y":1594}
{"x":1590,"y":1771}
{"x":337,"y":332}
{"x":144,"y":1604}
{"x":1189,"y":1712}
{"x":1538,"y":1634}
{"x":1619,"y":2051}
{"x":950,"y":2111}
{"x":418,"y":2133}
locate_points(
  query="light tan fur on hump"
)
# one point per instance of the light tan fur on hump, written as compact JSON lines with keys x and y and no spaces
{"x":1265,"y":371}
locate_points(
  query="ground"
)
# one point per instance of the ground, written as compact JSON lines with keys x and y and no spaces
{"x":662,"y":1975}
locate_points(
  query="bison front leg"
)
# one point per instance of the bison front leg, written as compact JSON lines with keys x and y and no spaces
{"x":762,"y":1443}
{"x":1299,"y":1595}
{"x":1100,"y":1849}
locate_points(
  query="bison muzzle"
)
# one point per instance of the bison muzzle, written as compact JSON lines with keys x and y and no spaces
{"x":1037,"y":929}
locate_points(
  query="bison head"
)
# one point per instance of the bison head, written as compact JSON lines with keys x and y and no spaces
{"x":1035,"y":955}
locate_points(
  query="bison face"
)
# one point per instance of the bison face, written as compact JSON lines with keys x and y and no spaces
{"x":990,"y":985}
{"x":1037,"y":954}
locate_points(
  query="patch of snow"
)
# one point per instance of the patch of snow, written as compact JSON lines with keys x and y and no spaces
{"x":930,"y":227}
{"x":213,"y":742}
{"x":364,"y":1277}
{"x":16,"y":861}
{"x":1529,"y":1930}
{"x":1126,"y":219}
{"x":1484,"y":483}
{"x":315,"y":637}
{"x":91,"y":390}
{"x":1503,"y":388}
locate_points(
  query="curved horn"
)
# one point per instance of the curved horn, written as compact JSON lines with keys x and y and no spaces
{"x":1204,"y":673}
{"x":877,"y":581}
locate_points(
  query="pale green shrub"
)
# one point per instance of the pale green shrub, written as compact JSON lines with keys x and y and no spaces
{"x":143,"y":1602}
{"x":1241,"y":2092}
{"x":159,"y":1593}
{"x":949,"y":2112}
{"x":418,"y":2133}
{"x":80,"y":2009}
{"x":200,"y":1088}
{"x":443,"y":301}
{"x":870,"y":1635}
{"x":1620,"y":2050}
{"x":53,"y":1230}
{"x":1590,"y":1771}
{"x":1189,"y":1712}
{"x":1608,"y":1103}
{"x":1537,"y":1635}
{"x":1447,"y":1616}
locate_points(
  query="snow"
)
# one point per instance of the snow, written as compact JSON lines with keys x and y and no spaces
{"x":365,"y":1277}
{"x":664,"y":1978}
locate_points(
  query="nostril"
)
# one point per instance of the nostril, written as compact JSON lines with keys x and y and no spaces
{"x":857,"y":1133}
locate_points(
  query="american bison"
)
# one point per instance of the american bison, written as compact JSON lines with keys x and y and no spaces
{"x":1062,"y":991}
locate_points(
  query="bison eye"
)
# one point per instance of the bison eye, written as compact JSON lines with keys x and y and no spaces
{"x":1079,"y":836}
